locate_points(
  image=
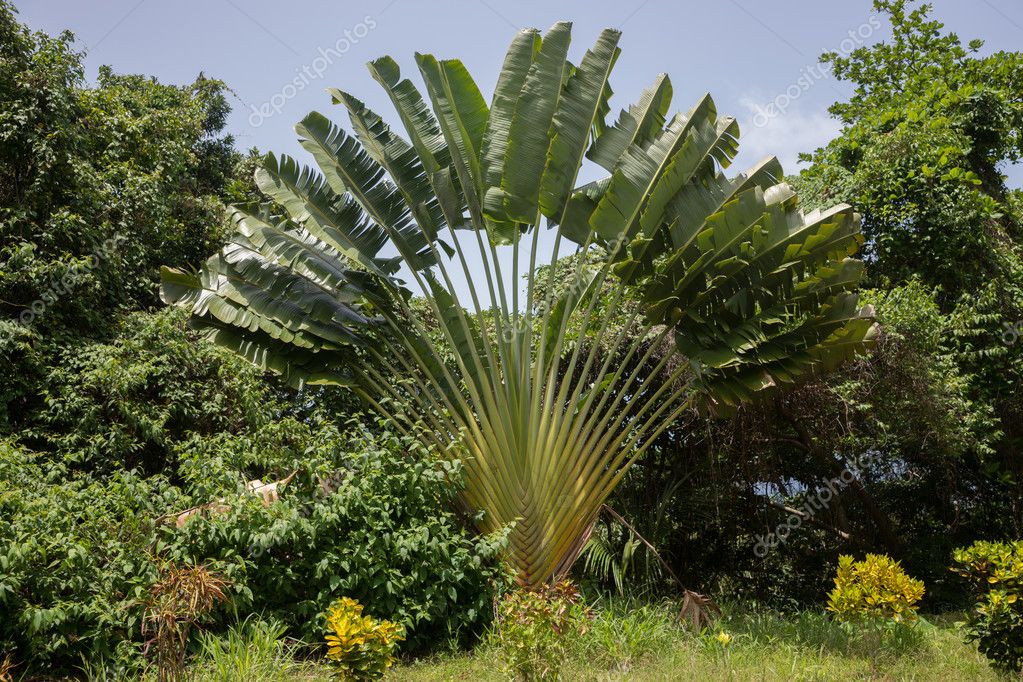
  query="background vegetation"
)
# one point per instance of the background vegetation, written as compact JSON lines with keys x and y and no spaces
{"x":113,"y":418}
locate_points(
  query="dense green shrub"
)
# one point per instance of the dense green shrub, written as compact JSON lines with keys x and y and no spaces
{"x":995,"y":572}
{"x":73,"y":559}
{"x":384,"y":535}
{"x":366,"y":516}
{"x":127,"y":403}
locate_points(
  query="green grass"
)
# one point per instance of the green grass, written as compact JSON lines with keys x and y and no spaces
{"x":642,"y":642}
{"x":645,"y":644}
{"x":252,"y":650}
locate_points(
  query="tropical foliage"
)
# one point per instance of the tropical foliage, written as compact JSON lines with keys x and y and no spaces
{"x":360,"y":516}
{"x":933,"y":407}
{"x":994,"y":571}
{"x":361,"y":646}
{"x":534,"y":629}
{"x":114,"y":419}
{"x":750,"y":292}
{"x":875,"y":588}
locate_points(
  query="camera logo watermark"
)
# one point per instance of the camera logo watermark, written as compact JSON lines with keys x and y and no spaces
{"x":1012,"y":333}
{"x":311,"y":72}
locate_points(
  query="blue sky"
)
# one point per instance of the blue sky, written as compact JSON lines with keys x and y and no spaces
{"x":747,"y":54}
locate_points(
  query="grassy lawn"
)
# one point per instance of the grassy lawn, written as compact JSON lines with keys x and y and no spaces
{"x":805,"y":647}
{"x":645,"y":643}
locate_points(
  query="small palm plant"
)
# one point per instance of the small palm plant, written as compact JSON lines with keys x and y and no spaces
{"x":728,"y":288}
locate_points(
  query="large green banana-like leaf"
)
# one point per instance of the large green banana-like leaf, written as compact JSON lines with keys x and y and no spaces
{"x":685,"y":287}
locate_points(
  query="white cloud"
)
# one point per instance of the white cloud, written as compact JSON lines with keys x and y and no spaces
{"x":784,"y":135}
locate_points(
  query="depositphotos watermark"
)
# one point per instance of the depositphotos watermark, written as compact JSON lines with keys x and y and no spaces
{"x":812,"y":74}
{"x":818,"y":502}
{"x":311,"y":72}
{"x":74,"y":274}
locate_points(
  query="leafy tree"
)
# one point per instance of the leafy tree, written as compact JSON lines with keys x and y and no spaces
{"x":927,"y":129}
{"x":929,"y":126}
{"x":94,"y":377}
{"x":748,"y":291}
{"x":98,"y":185}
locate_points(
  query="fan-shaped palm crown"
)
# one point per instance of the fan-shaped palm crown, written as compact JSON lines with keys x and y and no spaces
{"x":728,"y":272}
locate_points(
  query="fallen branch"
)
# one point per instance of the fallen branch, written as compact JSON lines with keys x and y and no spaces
{"x":696,"y":608}
{"x":813,"y":521}
{"x":268,"y":492}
